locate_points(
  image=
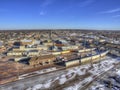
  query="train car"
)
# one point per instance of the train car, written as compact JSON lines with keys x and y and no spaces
{"x":80,"y":51}
{"x":62,"y":52}
{"x":95,"y":56}
{"x":86,"y":50}
{"x":84,"y":60}
{"x":72,"y":63}
{"x":56,"y":53}
{"x":103,"y":54}
{"x":65,"y":52}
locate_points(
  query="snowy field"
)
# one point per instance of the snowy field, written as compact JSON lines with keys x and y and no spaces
{"x":77,"y":72}
{"x":111,"y":81}
{"x":37,"y":72}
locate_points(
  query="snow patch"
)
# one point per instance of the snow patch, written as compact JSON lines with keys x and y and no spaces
{"x":71,"y":73}
{"x":118,"y":72}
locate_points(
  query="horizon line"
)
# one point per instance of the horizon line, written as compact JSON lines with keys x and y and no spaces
{"x":60,"y":29}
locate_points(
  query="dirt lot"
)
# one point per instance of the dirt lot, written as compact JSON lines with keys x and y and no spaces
{"x":9,"y":70}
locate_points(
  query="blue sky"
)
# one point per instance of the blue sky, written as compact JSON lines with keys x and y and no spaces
{"x":44,"y":14}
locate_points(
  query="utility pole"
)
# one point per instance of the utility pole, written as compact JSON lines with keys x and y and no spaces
{"x":91,"y":59}
{"x":17,"y":70}
{"x":110,"y":85}
{"x":84,"y":42}
{"x":84,"y":46}
{"x":51,"y":38}
{"x":98,"y":50}
{"x":100,"y":57}
{"x":80,"y":59}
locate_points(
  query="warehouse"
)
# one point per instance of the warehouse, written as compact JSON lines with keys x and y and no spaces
{"x":42,"y":60}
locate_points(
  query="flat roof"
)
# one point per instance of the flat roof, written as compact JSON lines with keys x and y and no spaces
{"x":42,"y":57}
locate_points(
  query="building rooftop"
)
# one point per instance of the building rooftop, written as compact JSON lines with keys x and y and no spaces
{"x":40,"y":58}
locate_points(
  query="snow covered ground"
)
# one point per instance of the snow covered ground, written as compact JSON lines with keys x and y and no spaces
{"x":37,"y":72}
{"x":78,"y":71}
{"x":111,"y":81}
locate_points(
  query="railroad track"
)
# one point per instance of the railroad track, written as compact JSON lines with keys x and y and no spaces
{"x":59,"y":70}
{"x":97,"y":77}
{"x":35,"y":75}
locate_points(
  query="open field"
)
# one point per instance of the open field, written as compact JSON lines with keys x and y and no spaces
{"x":60,"y":80}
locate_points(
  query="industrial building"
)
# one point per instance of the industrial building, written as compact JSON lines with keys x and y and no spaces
{"x":42,"y":60}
